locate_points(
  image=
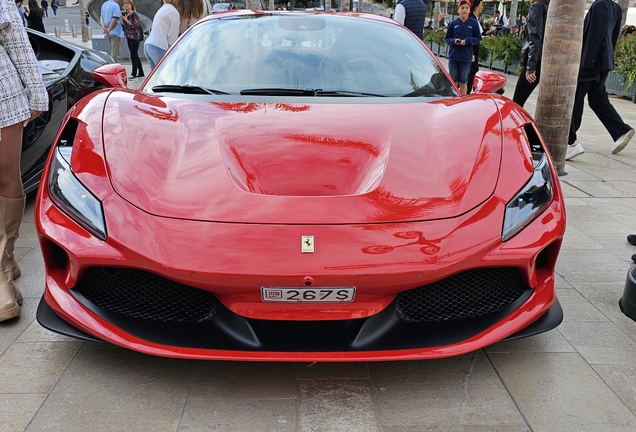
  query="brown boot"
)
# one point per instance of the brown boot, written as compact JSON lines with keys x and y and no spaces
{"x":12,"y":210}
{"x":10,"y":297}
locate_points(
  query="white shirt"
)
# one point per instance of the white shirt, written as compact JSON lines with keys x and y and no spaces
{"x":502,"y":20}
{"x":165,"y":27}
{"x":400,"y":14}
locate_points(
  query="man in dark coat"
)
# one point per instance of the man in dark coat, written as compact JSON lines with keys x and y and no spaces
{"x":412,"y":15}
{"x":600,"y":32}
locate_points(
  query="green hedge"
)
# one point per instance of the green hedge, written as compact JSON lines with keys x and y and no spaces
{"x":625,"y":59}
{"x":506,"y":48}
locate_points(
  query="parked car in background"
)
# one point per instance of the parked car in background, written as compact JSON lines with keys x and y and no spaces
{"x":67,"y":74}
{"x":220,"y":7}
{"x":315,"y":190}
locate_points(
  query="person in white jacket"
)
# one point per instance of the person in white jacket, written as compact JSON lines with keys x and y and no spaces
{"x":164,"y":32}
{"x":22,"y":98}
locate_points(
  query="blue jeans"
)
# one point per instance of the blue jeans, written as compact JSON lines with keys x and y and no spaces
{"x":459,"y":71}
{"x":153,"y":54}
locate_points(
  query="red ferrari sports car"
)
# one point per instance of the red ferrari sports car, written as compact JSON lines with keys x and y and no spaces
{"x":299,"y":186}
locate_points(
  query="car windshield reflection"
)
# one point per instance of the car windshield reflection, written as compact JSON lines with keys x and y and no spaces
{"x":328,"y":55}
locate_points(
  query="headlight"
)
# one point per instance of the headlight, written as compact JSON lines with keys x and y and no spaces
{"x":72,"y":197}
{"x":531,"y":200}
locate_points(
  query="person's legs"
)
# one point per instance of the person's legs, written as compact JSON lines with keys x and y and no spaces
{"x":133,"y":46}
{"x":577,"y":110}
{"x":524,"y":89}
{"x":453,"y":70}
{"x":10,"y":152}
{"x":464,"y":71}
{"x":10,"y":187}
{"x":575,"y":148}
{"x":116,"y":48}
{"x":474,"y":68}
{"x":598,"y":100}
{"x":153,"y":54}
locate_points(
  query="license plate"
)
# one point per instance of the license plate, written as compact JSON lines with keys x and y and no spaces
{"x":310,"y":295}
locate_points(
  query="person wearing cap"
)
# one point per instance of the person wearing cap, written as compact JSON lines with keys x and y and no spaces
{"x":412,"y":15}
{"x":462,"y":34}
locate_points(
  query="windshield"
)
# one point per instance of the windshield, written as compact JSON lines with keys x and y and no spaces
{"x":326,"y":54}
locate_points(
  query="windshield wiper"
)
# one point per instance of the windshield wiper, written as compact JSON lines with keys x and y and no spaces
{"x":278,"y":92}
{"x":304,"y":92}
{"x":346,"y":93}
{"x":189,"y":89}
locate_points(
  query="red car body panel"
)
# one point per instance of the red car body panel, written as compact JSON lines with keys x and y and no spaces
{"x":407,"y":231}
{"x":272,"y":173}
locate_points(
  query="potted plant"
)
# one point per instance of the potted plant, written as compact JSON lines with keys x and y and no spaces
{"x":501,"y":52}
{"x":621,"y":80}
{"x":437,"y":39}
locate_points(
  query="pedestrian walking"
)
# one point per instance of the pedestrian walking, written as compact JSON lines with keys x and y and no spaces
{"x":45,"y":7}
{"x":34,"y":15}
{"x":412,"y":15}
{"x":111,"y":25}
{"x":134,"y":36}
{"x":461,"y":35}
{"x":18,"y":5}
{"x":22,"y":98}
{"x":600,"y":33}
{"x":54,"y":5}
{"x":164,"y":32}
{"x":531,"y":49}
{"x":475,"y":10}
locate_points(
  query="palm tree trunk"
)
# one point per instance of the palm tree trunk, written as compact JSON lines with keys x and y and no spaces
{"x":512,"y":19}
{"x":438,"y":5}
{"x":624,"y":4}
{"x":559,"y":70}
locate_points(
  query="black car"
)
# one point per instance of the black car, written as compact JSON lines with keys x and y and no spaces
{"x":66,"y":71}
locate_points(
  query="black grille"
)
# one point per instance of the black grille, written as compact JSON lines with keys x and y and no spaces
{"x":140,"y":294}
{"x":469,"y":294}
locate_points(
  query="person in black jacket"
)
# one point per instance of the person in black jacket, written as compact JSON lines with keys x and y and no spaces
{"x":600,"y":32}
{"x":412,"y":15}
{"x":531,"y":49}
{"x":34,"y":15}
{"x":475,"y":9}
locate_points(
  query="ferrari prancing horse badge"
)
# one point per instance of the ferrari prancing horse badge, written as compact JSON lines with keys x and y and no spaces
{"x":307,"y":244}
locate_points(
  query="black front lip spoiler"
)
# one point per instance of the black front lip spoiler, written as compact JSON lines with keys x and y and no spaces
{"x":51,"y":321}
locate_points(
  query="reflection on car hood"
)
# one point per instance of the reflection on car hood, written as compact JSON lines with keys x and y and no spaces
{"x":311,"y":162}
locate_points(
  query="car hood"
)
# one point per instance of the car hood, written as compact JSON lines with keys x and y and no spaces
{"x":326,"y":161}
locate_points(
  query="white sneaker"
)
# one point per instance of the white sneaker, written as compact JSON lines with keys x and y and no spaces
{"x":574,"y":150}
{"x":620,"y":143}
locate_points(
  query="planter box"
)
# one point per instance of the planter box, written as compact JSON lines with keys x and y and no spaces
{"x":498,"y":66}
{"x":615,"y":86}
{"x":513,"y":68}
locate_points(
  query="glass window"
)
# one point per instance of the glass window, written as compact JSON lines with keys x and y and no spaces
{"x":303,"y":51}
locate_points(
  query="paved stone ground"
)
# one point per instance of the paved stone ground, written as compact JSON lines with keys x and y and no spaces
{"x":578,"y":377}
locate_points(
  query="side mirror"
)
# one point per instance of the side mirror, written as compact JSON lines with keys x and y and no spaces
{"x":111,"y":75}
{"x":488,"y":82}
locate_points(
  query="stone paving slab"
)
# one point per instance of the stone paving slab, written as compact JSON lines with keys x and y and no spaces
{"x":578,"y":377}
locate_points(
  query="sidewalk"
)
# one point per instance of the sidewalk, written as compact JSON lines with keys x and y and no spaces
{"x":580,"y":376}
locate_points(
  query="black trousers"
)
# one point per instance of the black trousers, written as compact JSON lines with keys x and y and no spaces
{"x":524,"y":89}
{"x":598,"y":100}
{"x":474,"y":68}
{"x":133,"y":47}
